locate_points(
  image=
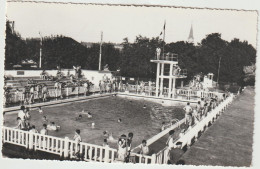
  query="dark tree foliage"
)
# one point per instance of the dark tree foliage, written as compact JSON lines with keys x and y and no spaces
{"x":15,"y":49}
{"x":135,"y":59}
{"x":212,"y":54}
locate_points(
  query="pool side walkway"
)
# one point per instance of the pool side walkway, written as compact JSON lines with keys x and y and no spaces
{"x":228,"y":142}
{"x":60,"y":101}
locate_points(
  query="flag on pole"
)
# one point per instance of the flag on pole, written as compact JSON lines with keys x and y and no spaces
{"x":163,"y":28}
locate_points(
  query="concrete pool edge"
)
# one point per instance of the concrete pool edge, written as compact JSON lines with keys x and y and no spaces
{"x":161,"y":100}
{"x":57,"y":102}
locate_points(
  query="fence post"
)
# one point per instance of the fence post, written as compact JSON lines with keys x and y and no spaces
{"x":106,"y":158}
{"x":66,"y":147}
{"x":30,"y":141}
{"x":153,"y":159}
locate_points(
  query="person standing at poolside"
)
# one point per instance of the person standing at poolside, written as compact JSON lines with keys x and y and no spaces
{"x":44,"y":130}
{"x":44,"y":92}
{"x":144,"y":148}
{"x":33,"y":130}
{"x":122,"y":151}
{"x":85,"y":85}
{"x":77,"y":139}
{"x":188,"y":111}
{"x":21,"y":113}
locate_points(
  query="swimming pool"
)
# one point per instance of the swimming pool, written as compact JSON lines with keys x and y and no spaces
{"x":143,"y":122}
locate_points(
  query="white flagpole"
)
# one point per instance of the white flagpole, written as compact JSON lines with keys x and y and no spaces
{"x":164,"y":26}
{"x":40,"y":61}
{"x":100,"y":51}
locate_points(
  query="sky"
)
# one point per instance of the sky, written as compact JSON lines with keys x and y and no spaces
{"x":85,"y":22}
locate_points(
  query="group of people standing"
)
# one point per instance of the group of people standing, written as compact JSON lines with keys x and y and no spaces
{"x":193,"y":115}
{"x":110,"y":86}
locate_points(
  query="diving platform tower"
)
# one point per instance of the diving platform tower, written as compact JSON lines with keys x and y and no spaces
{"x":168,"y":71}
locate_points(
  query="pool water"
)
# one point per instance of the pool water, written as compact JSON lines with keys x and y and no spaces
{"x":143,"y":122}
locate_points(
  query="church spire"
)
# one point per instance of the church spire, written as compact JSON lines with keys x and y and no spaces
{"x":191,"y":38}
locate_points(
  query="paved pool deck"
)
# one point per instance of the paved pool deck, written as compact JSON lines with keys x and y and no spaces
{"x":228,"y":142}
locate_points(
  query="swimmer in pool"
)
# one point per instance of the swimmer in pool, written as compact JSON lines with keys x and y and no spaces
{"x":40,"y":110}
{"x":92,"y":125}
{"x":79,"y":117}
{"x":52,"y":126}
{"x":105,"y":134}
{"x":44,"y":118}
{"x":89,"y":115}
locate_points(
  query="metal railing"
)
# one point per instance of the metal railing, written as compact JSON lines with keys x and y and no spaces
{"x":167,"y":57}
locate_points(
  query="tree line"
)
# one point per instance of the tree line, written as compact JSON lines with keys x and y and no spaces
{"x":212,"y":54}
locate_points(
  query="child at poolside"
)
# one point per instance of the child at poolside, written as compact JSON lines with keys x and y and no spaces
{"x":77,"y":139}
{"x":21,"y":113}
{"x":33,"y":130}
{"x":111,"y":138}
{"x":122,"y":152}
{"x":163,"y":126}
{"x":144,"y":148}
{"x":44,"y":130}
{"x":182,"y":133}
{"x":27,"y":113}
{"x":27,"y":125}
{"x":129,"y":141}
{"x":105,"y":144}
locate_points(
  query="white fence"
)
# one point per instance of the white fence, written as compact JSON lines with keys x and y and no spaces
{"x":192,"y":133}
{"x":66,"y":148}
